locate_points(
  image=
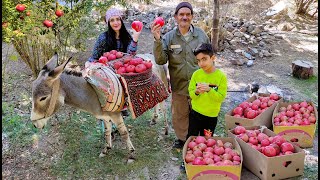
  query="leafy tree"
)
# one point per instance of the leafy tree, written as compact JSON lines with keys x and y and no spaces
{"x":36,"y":43}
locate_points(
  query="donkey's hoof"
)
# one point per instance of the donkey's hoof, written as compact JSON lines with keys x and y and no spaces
{"x":129,"y":161}
{"x":102,"y":155}
{"x":152,"y":122}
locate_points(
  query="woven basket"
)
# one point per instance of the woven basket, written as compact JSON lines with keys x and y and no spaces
{"x":143,"y":76}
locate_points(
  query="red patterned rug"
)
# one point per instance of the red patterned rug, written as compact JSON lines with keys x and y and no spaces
{"x":144,"y":90}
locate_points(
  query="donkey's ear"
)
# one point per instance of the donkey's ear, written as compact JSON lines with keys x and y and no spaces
{"x":52,"y":63}
{"x":58,"y":70}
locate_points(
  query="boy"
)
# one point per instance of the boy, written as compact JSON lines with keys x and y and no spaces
{"x":207,"y":90}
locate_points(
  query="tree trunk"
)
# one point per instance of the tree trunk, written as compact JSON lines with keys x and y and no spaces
{"x":302,"y":69}
{"x":215,"y":26}
{"x":303,"y":6}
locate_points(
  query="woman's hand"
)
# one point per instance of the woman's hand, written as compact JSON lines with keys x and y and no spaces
{"x":135,"y":34}
{"x":155,"y":30}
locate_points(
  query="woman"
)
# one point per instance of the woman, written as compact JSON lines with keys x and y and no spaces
{"x":116,"y":37}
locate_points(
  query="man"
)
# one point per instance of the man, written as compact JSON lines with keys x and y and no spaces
{"x":176,"y":48}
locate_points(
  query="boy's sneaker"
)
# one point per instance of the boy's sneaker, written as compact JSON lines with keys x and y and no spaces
{"x":182,"y":168}
{"x":178,"y":144}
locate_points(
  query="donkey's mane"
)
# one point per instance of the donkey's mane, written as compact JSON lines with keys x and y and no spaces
{"x":73,"y":72}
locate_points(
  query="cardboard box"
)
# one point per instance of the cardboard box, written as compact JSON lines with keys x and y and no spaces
{"x":300,"y":135}
{"x":205,"y":172}
{"x":269,"y":168}
{"x":263,"y":119}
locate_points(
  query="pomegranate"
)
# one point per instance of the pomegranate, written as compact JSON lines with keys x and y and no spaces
{"x":276,"y":147}
{"x":238,"y":110}
{"x":202,"y":146}
{"x":210,"y":142}
{"x":189,"y":158}
{"x":227,"y":145}
{"x":159,"y":20}
{"x":192,"y":144}
{"x":226,"y":156}
{"x":114,"y":52}
{"x":262,"y":136}
{"x":208,"y":161}
{"x":209,"y":149}
{"x":251,"y":114}
{"x":265,"y":142}
{"x":278,"y":140}
{"x":304,"y":104}
{"x":117,"y":65}
{"x":140,"y":68}
{"x":137,"y":25}
{"x":218,"y":150}
{"x":200,"y":139}
{"x":256,"y":102}
{"x":244,"y":105}
{"x":253,"y":140}
{"x":197,"y":153}
{"x":244,"y":137}
{"x":219,"y":143}
{"x":286,"y":146}
{"x":236,"y":158}
{"x":121,"y":70}
{"x":198,"y":161}
{"x":296,"y":106}
{"x":274,"y":96}
{"x":239,"y":130}
{"x":207,"y":155}
{"x":269,"y":151}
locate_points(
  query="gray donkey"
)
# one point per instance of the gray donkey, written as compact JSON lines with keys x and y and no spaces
{"x":55,"y":87}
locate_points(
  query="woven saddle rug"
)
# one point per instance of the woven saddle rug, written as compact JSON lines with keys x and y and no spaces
{"x":145,"y":90}
{"x":106,"y":85}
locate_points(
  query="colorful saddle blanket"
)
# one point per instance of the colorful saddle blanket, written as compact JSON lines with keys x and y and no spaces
{"x":107,"y":85}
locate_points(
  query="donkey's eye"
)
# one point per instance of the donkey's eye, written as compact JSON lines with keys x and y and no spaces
{"x":43,"y":98}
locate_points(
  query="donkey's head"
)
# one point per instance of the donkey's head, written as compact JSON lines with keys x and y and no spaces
{"x":46,"y":98}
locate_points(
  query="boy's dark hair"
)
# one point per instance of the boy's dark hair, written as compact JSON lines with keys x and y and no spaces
{"x":204,"y":48}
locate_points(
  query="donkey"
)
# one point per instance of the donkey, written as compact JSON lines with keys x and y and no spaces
{"x":55,"y":87}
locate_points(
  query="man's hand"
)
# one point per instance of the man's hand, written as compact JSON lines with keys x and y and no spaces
{"x":155,"y":30}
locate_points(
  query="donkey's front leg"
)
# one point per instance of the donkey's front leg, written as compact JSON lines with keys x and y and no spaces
{"x":107,"y":135}
{"x":118,"y":121}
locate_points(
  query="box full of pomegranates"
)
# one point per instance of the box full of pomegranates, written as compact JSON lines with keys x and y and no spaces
{"x":255,"y":111}
{"x":212,"y":158}
{"x":296,"y":122}
{"x":268,"y":155}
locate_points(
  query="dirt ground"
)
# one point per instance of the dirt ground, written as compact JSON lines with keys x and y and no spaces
{"x":274,"y":70}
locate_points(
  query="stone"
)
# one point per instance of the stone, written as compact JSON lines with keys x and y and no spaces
{"x":260,"y":54}
{"x":247,"y":55}
{"x":238,"y":34}
{"x":238,"y":51}
{"x":243,"y":29}
{"x":247,"y":36}
{"x":238,"y":62}
{"x":256,"y":30}
{"x":262,"y":44}
{"x":266,"y":53}
{"x":250,"y":28}
{"x":249,"y":63}
{"x":253,"y":51}
{"x":278,"y":36}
